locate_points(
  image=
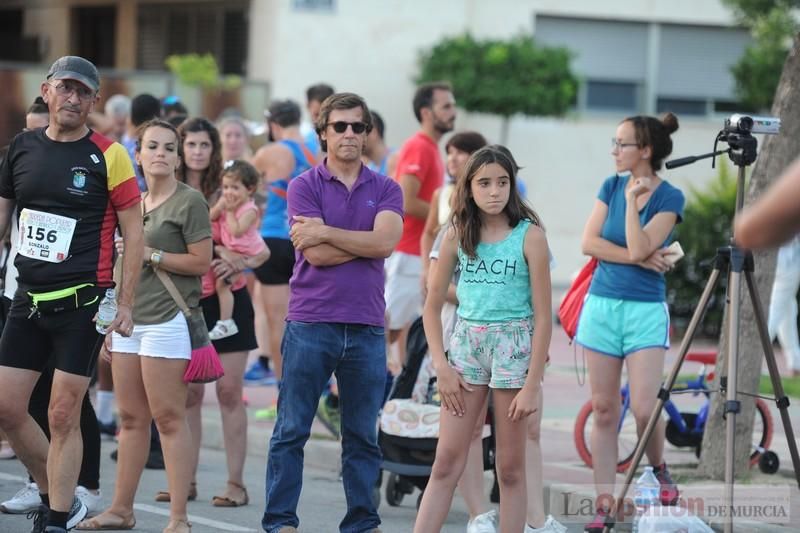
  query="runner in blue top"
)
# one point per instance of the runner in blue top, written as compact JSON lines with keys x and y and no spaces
{"x":500,"y":246}
{"x":279,"y":162}
{"x":625,"y":317}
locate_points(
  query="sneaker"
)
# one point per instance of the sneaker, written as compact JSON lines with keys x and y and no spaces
{"x":223,"y":329}
{"x":77,"y":512}
{"x":258,"y":374}
{"x":669,"y":490}
{"x":92,"y":501}
{"x":483,"y":523}
{"x":26,"y":500}
{"x":551,"y":525}
{"x":39,"y":517}
{"x":268,"y":414}
{"x":109,"y":430}
{"x":329,"y":417}
{"x":598,"y":523}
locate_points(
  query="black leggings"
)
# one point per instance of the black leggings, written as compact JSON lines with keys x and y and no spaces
{"x":89,"y":475}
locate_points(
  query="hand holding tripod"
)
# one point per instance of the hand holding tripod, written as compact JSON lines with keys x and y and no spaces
{"x":742,"y":150}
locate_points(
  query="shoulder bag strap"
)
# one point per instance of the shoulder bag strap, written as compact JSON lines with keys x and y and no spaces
{"x":173,"y":290}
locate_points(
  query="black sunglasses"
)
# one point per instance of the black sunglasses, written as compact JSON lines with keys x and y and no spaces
{"x":340,"y":126}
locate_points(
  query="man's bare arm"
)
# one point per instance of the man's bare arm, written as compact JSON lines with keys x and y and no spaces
{"x":412,"y":205}
{"x":130,"y":223}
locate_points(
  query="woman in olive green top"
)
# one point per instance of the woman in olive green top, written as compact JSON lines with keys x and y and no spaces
{"x":148,"y":366}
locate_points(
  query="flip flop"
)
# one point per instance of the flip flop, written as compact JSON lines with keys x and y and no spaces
{"x":97,"y":524}
{"x":224,"y":501}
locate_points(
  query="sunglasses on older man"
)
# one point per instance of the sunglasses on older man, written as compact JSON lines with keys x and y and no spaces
{"x":340,"y":126}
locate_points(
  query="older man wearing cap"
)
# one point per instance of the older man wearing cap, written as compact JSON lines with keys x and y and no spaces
{"x":71,"y":188}
{"x":279,"y":162}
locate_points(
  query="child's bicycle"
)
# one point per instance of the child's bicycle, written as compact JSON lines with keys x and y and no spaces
{"x":683,"y":429}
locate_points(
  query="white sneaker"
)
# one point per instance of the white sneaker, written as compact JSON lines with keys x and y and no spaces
{"x":483,"y":523}
{"x":24,"y":501}
{"x":222,"y":329}
{"x":92,"y":501}
{"x":551,"y":525}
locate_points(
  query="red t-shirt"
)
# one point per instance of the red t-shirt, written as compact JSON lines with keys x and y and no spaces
{"x":418,"y":157}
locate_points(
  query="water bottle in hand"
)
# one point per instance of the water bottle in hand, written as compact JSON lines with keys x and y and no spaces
{"x":645,"y":495}
{"x":107,"y":312}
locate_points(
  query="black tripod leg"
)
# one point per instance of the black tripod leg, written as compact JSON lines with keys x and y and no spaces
{"x":781,"y":400}
{"x":663,"y":394}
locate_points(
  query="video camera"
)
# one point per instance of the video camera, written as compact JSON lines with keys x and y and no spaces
{"x":751,"y":124}
{"x":737,"y":133}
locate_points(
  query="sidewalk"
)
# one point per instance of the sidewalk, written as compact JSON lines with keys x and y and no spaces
{"x":568,"y":482}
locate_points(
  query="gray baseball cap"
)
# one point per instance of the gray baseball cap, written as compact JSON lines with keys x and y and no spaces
{"x":75,"y":68}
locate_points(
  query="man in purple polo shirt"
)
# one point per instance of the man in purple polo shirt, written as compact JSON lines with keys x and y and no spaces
{"x":346,"y":219}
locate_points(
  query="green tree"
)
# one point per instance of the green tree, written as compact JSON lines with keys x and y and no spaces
{"x":502,"y":77}
{"x":707,"y":221}
{"x":197,"y":70}
{"x":772,"y":26}
{"x":776,"y":153}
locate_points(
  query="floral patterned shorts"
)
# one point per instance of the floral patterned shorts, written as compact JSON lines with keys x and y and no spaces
{"x":495,"y":353}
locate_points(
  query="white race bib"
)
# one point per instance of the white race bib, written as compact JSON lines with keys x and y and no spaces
{"x":45,"y":236}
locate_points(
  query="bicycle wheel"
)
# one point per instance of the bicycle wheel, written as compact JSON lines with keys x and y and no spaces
{"x":762,"y":430}
{"x":626,"y":443}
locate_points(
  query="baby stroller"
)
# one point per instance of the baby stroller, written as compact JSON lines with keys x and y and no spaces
{"x":409,"y":425}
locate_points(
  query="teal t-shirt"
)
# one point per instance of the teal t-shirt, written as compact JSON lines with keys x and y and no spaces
{"x":495,"y":285}
{"x":632,"y":282}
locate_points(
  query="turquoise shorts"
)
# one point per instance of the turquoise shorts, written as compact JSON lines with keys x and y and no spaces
{"x":620,"y":327}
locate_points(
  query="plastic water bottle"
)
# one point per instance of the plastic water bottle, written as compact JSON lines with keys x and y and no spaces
{"x":106,"y":312}
{"x":646,"y":493}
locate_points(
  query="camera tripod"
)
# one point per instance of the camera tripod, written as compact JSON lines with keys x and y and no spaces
{"x":736,"y":262}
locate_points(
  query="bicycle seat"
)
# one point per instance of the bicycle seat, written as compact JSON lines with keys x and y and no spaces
{"x":707,"y":357}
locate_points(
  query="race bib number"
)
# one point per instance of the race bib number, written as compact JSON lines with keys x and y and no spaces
{"x":45,"y":236}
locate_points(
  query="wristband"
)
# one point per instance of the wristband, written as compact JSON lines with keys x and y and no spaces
{"x":155,"y":257}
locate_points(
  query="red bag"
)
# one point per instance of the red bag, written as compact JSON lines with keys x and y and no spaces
{"x":570,"y":309}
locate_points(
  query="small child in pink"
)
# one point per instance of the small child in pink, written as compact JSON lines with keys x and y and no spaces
{"x":237,"y":217}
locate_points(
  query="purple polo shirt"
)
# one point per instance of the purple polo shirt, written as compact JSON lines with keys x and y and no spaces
{"x":350,"y":293}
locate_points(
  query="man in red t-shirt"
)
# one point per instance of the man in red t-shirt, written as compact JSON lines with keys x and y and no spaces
{"x":419,"y":172}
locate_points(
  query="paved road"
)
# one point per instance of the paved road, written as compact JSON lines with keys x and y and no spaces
{"x":321,"y":507}
{"x":322,"y":503}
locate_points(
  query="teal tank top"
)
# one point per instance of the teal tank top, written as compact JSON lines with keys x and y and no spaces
{"x":495,"y":286}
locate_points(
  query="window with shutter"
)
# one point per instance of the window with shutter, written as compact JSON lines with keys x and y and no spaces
{"x":218,"y":28}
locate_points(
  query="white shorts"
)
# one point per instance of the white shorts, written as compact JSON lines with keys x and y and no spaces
{"x":169,"y":340}
{"x":403,"y":289}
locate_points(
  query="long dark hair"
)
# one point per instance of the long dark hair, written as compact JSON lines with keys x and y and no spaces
{"x":210,"y":179}
{"x":466,"y":216}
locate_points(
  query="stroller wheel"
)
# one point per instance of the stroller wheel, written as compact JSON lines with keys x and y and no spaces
{"x":394,"y":493}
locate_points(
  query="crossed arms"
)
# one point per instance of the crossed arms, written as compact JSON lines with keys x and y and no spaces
{"x":323,"y":245}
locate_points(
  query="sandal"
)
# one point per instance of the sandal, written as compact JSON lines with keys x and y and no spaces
{"x":225,"y":501}
{"x":163,"y":495}
{"x":99,"y":523}
{"x":178,"y":526}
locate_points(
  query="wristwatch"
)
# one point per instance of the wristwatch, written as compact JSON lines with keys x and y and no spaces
{"x":155,"y":257}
